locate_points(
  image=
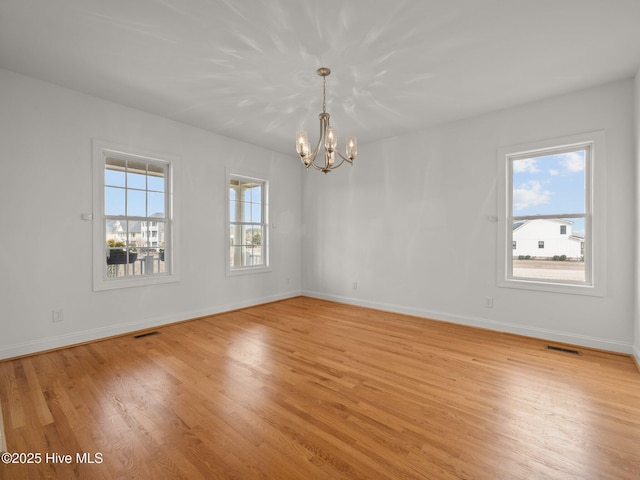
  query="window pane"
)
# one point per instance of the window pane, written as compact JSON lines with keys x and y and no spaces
{"x":114,"y":178}
{"x":245,"y":192}
{"x":541,"y":251}
{"x":156,"y":184}
{"x":237,"y":256}
{"x":115,"y":234}
{"x":236,"y":234}
{"x":134,"y":234}
{"x":114,"y":173}
{"x":254,"y":235}
{"x":160,"y":237}
{"x":256,"y":213}
{"x":256,"y":194}
{"x":136,"y":180}
{"x":114,"y":201}
{"x":136,"y":203}
{"x":247,"y":234}
{"x":233,"y":211}
{"x":254,"y":255}
{"x":163,"y":258}
{"x":549,"y":184}
{"x":121,"y":254}
{"x":155,"y":180}
{"x":240,"y":212}
{"x":156,"y":204}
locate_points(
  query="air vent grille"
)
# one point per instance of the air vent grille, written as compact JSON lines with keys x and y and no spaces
{"x":146,"y":334}
{"x":563,"y":350}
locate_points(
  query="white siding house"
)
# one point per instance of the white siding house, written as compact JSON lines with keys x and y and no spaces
{"x":546,"y":238}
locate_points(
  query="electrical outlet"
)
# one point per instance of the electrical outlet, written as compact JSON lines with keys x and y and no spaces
{"x":488,"y":302}
{"x":57,"y":316}
{"x":355,"y":285}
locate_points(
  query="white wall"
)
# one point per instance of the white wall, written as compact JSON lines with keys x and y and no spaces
{"x":636,"y":349}
{"x":45,"y":246}
{"x":409,"y":223}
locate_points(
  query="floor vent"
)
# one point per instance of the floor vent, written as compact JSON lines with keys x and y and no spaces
{"x":563,"y":350}
{"x":146,"y":334}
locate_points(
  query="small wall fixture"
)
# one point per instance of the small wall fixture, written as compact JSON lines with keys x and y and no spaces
{"x":328,"y":138}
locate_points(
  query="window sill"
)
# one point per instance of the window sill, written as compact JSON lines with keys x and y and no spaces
{"x":141,"y":281}
{"x":552,"y":287}
{"x":247,"y":271}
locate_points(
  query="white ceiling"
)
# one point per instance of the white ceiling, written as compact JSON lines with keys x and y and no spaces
{"x":246,"y":68}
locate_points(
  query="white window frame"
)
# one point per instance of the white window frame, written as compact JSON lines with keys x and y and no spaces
{"x":235,"y":174}
{"x":101,"y":281}
{"x":595,"y":248}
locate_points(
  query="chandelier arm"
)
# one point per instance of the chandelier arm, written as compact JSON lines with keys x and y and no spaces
{"x":314,"y":153}
{"x":324,"y":122}
{"x":313,"y":164}
{"x":336,"y":165}
{"x":344,"y":159}
{"x":327,"y":167}
{"x":327,"y":160}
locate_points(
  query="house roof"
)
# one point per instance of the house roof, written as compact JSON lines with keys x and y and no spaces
{"x":573,"y":236}
{"x":519,"y":224}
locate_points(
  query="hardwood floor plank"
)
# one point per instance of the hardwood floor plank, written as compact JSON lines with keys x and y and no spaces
{"x":10,"y":384}
{"x":3,"y":442}
{"x":307,"y":388}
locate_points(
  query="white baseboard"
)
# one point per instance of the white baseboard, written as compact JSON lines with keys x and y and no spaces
{"x":75,"y":338}
{"x":505,"y":327}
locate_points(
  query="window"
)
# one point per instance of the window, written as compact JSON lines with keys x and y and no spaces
{"x":133,"y":218}
{"x":549,"y":212}
{"x":247,"y":210}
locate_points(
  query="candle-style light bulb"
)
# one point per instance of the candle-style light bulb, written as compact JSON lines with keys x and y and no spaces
{"x":302,"y":143}
{"x":352,"y":147}
{"x":331,"y":139}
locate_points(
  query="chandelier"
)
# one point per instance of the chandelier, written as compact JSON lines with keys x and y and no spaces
{"x":328,"y":138}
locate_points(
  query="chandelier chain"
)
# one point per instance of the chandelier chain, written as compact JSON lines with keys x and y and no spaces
{"x":324,"y":94}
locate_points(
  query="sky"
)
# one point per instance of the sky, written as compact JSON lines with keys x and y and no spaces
{"x":550,"y":184}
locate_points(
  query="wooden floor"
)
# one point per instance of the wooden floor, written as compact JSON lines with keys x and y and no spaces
{"x":309,"y":389}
